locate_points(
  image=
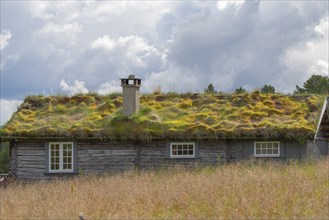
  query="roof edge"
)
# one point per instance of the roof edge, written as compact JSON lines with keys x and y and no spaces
{"x":324,"y":108}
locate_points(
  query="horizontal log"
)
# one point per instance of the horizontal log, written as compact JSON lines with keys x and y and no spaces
{"x":107,"y":153}
{"x":29,"y":163}
{"x":108,"y":147}
{"x":22,"y":154}
{"x":34,"y":172}
{"x":109,"y":158}
{"x":31,"y":157}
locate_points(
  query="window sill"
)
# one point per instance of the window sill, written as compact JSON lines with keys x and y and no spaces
{"x":182,"y":157}
{"x":266,"y":157}
{"x":60,"y":173}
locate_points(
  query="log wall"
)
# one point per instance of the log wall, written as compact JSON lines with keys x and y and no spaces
{"x":28,"y":160}
{"x":28,"y":157}
{"x":104,"y":157}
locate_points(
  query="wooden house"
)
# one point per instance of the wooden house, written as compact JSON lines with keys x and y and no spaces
{"x":59,"y":135}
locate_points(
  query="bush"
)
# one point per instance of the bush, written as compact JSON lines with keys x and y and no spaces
{"x":4,"y":157}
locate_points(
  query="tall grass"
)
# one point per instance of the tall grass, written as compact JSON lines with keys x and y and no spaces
{"x":234,"y":191}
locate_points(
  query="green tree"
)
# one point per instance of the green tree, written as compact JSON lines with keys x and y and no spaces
{"x":210,"y":89}
{"x":4,"y":157}
{"x":240,"y":90}
{"x":267,"y":89}
{"x":316,"y":84}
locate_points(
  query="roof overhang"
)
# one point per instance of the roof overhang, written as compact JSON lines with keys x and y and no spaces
{"x":325,"y":108}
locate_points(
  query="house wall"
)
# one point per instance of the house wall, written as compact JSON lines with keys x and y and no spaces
{"x":317,"y":149}
{"x":99,"y":157}
{"x":157,"y":155}
{"x":288,"y":150}
{"x":28,"y":160}
{"x":28,"y":157}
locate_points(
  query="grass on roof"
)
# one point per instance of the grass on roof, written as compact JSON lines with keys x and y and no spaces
{"x":177,"y":116}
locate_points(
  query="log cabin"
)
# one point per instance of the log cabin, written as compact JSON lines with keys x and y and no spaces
{"x":57,"y":136}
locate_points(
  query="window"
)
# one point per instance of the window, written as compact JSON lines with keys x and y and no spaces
{"x":182,"y":150}
{"x":267,"y":149}
{"x":61,"y":157}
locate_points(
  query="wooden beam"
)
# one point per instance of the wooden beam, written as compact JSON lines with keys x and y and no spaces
{"x":327,"y":108}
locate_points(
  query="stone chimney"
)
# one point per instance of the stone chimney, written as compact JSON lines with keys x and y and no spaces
{"x":130,"y":91}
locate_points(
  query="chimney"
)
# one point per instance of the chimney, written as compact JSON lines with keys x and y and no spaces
{"x":130,"y":91}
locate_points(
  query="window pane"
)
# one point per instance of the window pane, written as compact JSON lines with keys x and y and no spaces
{"x":182,"y":150}
{"x":267,"y":148}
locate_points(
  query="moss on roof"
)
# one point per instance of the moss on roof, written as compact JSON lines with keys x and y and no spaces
{"x":176,"y":116}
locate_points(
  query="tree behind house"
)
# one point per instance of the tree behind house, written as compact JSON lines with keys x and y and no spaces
{"x":316,"y":84}
{"x":240,"y":90}
{"x":210,"y":89}
{"x":267,"y":89}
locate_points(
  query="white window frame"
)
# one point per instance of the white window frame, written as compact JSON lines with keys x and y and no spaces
{"x":61,"y":158}
{"x":182,"y":156}
{"x":267,"y":155}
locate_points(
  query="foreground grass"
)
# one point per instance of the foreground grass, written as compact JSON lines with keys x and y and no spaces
{"x":233,"y":191}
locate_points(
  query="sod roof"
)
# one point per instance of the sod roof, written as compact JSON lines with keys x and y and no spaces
{"x":171,"y":116}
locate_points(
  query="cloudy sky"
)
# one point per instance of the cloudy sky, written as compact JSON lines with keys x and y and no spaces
{"x":68,"y":47}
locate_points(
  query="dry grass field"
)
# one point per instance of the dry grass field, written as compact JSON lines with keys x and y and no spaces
{"x":235,"y":191}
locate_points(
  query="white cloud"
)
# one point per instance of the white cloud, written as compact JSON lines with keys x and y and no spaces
{"x":320,"y":67}
{"x":48,"y":10}
{"x":104,"y":42}
{"x":134,"y":48}
{"x":119,"y":57}
{"x":8,"y":60}
{"x":52,"y":28}
{"x":109,"y":87}
{"x":59,"y":34}
{"x":179,"y":45}
{"x":4,"y":38}
{"x":7,"y":108}
{"x":223,"y":4}
{"x":74,"y":88}
{"x":306,"y":58}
